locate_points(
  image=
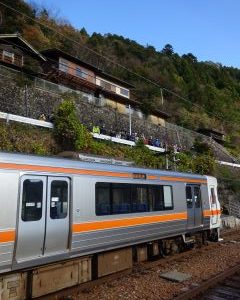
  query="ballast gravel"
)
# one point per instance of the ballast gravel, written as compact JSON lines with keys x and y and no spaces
{"x":145,"y":281}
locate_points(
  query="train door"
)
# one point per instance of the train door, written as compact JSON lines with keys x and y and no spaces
{"x":194,"y":205}
{"x":43,"y":227}
{"x":57,"y":215}
{"x":213,"y":203}
{"x":31,"y":225}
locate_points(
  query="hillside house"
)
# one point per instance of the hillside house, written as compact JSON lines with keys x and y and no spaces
{"x":17,"y":53}
{"x":216,"y":135}
{"x":63,"y":68}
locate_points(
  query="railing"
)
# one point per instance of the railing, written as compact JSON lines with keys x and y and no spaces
{"x":123,"y":141}
{"x":229,"y":164}
{"x":30,"y":121}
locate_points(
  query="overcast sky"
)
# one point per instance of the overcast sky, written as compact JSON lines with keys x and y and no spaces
{"x":210,"y":29}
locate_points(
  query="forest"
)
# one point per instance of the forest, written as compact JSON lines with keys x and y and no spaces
{"x":196,"y":94}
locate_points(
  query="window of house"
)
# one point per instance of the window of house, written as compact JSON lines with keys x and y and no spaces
{"x":124,"y":92}
{"x":113,"y":88}
{"x":63,"y":65}
{"x":8,"y":56}
{"x":81,"y":73}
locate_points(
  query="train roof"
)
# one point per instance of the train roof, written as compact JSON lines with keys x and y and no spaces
{"x":27,"y":159}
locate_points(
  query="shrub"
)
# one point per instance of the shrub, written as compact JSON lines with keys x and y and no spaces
{"x":68,"y":131}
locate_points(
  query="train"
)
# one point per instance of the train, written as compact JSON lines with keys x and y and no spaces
{"x":57,"y":210}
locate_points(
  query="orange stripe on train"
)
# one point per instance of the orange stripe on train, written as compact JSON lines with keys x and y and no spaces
{"x":92,"y":172}
{"x":126,"y":222}
{"x":7,"y":236}
{"x":182,"y":179}
{"x":210,"y":213}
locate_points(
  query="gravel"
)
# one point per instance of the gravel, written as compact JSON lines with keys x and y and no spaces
{"x":145,"y":281}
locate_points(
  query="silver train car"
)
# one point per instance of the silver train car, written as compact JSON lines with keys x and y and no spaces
{"x":55,"y":209}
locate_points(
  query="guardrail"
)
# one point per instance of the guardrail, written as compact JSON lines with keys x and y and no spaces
{"x":123,"y":141}
{"x":228,"y":164}
{"x":11,"y":117}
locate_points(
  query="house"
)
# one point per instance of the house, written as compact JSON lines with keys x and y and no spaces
{"x":17,"y":53}
{"x":63,"y":68}
{"x":159,"y":117}
{"x":216,"y":135}
{"x":71,"y":73}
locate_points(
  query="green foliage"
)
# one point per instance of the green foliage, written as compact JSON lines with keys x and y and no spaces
{"x":26,"y":139}
{"x":229,"y":178}
{"x":204,"y":164}
{"x":184,"y":162}
{"x":201,"y":147}
{"x":68,"y":131}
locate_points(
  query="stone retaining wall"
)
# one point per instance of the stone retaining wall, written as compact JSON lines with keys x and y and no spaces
{"x":32,"y":102}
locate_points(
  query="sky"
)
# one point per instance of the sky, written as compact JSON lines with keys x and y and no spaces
{"x":210,"y":29}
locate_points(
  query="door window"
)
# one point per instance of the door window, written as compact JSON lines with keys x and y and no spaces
{"x":213,"y":196}
{"x":59,"y":199}
{"x":32,"y":197}
{"x":197,"y":196}
{"x":189,"y":196}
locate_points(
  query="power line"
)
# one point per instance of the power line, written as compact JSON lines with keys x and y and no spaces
{"x":150,"y":81}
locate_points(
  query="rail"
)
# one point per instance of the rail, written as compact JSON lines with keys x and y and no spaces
{"x":123,"y":141}
{"x":202,"y":288}
{"x":229,"y":164}
{"x":30,"y":121}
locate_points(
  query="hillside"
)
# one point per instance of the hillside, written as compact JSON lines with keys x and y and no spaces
{"x":211,"y":91}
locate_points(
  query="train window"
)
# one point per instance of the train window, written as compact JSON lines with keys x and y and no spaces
{"x":59,"y":199}
{"x":213,"y":196}
{"x":121,"y":198}
{"x":168,"y":201}
{"x":189,"y":196}
{"x":32,"y":197}
{"x":155,"y":193}
{"x":139,"y":198}
{"x":103,"y":206}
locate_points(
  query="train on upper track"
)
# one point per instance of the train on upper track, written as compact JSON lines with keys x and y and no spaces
{"x":58,"y":209}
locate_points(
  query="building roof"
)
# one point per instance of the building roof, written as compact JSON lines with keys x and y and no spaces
{"x":212,"y":130}
{"x":53,"y":53}
{"x":160,"y":113}
{"x":15,"y":39}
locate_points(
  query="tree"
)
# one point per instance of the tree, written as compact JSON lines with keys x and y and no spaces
{"x":168,"y":49}
{"x":190,"y":57}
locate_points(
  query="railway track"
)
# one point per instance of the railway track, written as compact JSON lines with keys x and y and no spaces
{"x":148,"y":267}
{"x":225,"y":285}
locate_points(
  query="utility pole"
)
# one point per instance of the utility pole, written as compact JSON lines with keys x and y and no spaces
{"x":162,"y":100}
{"x":130,"y":119}
{"x":166,"y":158}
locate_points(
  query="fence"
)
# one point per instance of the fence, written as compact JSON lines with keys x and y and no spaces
{"x":40,"y":123}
